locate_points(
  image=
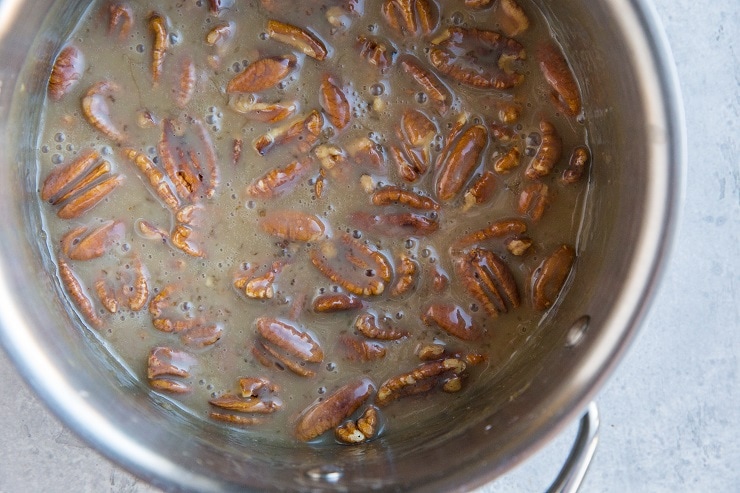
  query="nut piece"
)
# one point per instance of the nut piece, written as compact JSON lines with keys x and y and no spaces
{"x":452,"y":319}
{"x":66,"y":72}
{"x":407,"y":273}
{"x":83,"y":244}
{"x":548,"y":279}
{"x":461,"y":162}
{"x":579,"y":159}
{"x":367,"y":325}
{"x":565,"y":93}
{"x":330,"y":412}
{"x":259,"y":287}
{"x":478,"y":58}
{"x":278,"y":180}
{"x":375,"y":52}
{"x":302,"y":39}
{"x":360,"y":431}
{"x":420,"y":380}
{"x":511,"y":18}
{"x":121,"y":19}
{"x":480,"y":191}
{"x":262,"y":74}
{"x":533,"y":200}
{"x":548,"y":154}
{"x":411,"y":17}
{"x":353,"y":265}
{"x":292,"y":225}
{"x":336,"y":302}
{"x":166,"y":367}
{"x":488,"y":279}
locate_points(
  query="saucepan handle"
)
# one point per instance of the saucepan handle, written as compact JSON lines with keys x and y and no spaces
{"x":574,"y":470}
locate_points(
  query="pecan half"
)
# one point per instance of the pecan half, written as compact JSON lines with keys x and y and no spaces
{"x":461,"y":162}
{"x":390,"y":195}
{"x":498,"y":229}
{"x":554,"y":67}
{"x":76,"y":292}
{"x":353,"y":265}
{"x":79,"y":186}
{"x":549,"y":278}
{"x":411,"y":17}
{"x":96,"y":111}
{"x":367,"y":325}
{"x":360,"y":431}
{"x":478,"y":58}
{"x":334,"y":102}
{"x":66,"y":72}
{"x":289,"y":338}
{"x":336,"y":302}
{"x":187,"y":81}
{"x":332,"y":410}
{"x":189,"y":159}
{"x":420,"y":380}
{"x":410,"y":165}
{"x":579,"y":159}
{"x":305,"y":130}
{"x":231,"y":402}
{"x":401,"y":224}
{"x":488,"y":279}
{"x":430,"y":84}
{"x":156,"y":178}
{"x":120,"y":19}
{"x":278,"y":180}
{"x":534,"y":200}
{"x":166,"y":367}
{"x":302,"y":39}
{"x":452,"y":319}
{"x":201,"y":336}
{"x":548,"y":153}
{"x":83,"y":244}
{"x":262,"y":74}
{"x":361,"y":350}
{"x":160,"y":43}
{"x":247,"y":105}
{"x":292,"y":225}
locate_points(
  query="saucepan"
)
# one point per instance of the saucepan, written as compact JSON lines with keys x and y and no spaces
{"x":635,"y":123}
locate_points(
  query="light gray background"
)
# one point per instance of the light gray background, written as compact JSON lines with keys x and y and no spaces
{"x":671,"y":412}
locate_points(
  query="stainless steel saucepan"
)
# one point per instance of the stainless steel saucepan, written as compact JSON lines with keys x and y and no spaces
{"x":635,"y":124}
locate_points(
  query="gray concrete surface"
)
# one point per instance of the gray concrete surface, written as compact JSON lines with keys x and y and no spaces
{"x":670,"y":414}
